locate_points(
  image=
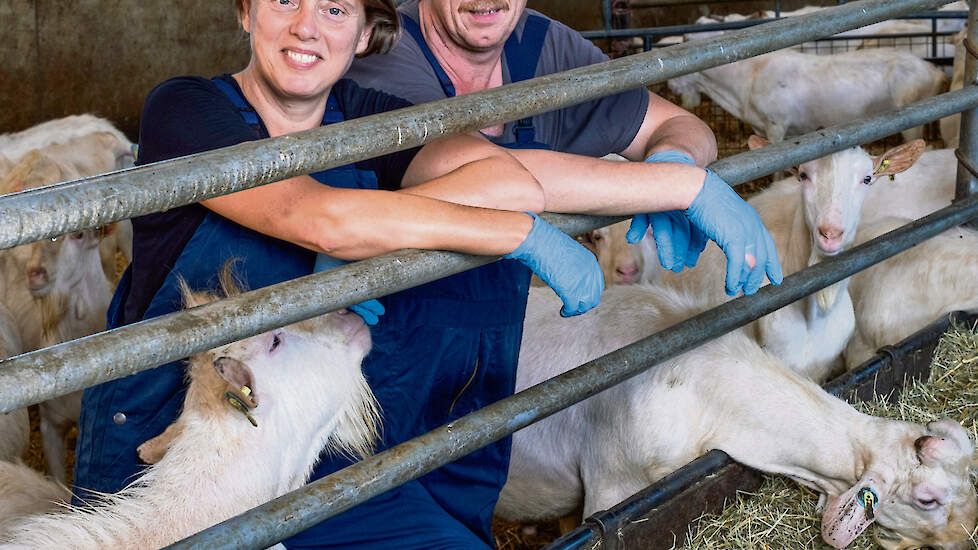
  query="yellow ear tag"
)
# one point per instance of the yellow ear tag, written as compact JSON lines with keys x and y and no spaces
{"x":237,"y":403}
{"x":883,"y":166}
{"x":246,"y":390}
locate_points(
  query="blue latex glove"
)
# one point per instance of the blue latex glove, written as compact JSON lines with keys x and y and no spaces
{"x":678,"y":242}
{"x":371,"y":310}
{"x":568,"y":268}
{"x":737,"y":228}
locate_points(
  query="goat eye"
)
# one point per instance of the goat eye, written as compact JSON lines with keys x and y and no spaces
{"x":927,"y":504}
{"x":802,"y":176}
{"x":868,"y":180}
{"x":276,"y":340}
{"x":77,"y":235}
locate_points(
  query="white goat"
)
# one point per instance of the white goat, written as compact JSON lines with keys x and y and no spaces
{"x":898,"y":296}
{"x":810,"y":218}
{"x":61,"y":130}
{"x":66,"y":280}
{"x":728,"y":394}
{"x":85,"y":156}
{"x":14,"y":425}
{"x":304,"y":390}
{"x":623,"y":263}
{"x":788,"y":93}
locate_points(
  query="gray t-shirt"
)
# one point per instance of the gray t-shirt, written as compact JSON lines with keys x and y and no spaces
{"x":595,"y":128}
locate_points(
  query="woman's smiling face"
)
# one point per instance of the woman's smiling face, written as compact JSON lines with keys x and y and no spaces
{"x":300,"y":48}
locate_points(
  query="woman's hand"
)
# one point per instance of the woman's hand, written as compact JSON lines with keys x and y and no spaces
{"x":569,"y":268}
{"x":734,"y":225}
{"x":678,"y":242}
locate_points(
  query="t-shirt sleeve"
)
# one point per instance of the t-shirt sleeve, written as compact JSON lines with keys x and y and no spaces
{"x":403,"y":72}
{"x":596,"y":128}
{"x":357,"y":102}
{"x":188,"y":115}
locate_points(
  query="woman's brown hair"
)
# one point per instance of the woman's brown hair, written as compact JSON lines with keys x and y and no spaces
{"x":382,"y":20}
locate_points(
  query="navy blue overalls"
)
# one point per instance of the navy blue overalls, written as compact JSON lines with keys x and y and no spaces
{"x":118,"y":415}
{"x":442,"y":350}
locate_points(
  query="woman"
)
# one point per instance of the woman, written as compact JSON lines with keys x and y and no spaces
{"x":300,"y":50}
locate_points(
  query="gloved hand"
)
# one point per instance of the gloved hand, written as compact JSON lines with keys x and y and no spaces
{"x":566,"y":266}
{"x":371,"y":310}
{"x":678,"y":242}
{"x":737,"y":228}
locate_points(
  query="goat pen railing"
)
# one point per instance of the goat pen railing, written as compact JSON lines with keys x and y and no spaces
{"x":72,"y":206}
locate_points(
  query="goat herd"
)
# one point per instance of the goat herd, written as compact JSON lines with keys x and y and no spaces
{"x":752,"y":393}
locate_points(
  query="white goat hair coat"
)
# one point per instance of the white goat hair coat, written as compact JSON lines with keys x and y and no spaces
{"x":310,"y":394}
{"x":788,"y":93}
{"x":24,"y":491}
{"x":57,"y":131}
{"x":728,"y":394}
{"x":894,"y":298}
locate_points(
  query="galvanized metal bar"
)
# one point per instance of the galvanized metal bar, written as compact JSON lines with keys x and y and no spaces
{"x":692,"y":28}
{"x":274,"y":521}
{"x":55,"y":371}
{"x":96,"y":201}
{"x":967,"y":177}
{"x":585,"y":537}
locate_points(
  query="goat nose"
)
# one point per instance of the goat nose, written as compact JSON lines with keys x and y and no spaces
{"x":36,"y":272}
{"x":628,"y":273}
{"x":829,"y":232}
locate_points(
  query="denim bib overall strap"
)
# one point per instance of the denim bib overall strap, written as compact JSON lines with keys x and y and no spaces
{"x":442,"y":350}
{"x":119,"y":415}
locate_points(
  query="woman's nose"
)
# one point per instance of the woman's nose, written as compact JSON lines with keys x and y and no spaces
{"x":304,"y":23}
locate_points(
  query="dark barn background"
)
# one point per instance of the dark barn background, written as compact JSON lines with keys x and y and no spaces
{"x":62,"y":57}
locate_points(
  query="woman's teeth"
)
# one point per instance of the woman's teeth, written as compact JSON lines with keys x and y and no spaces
{"x":301,"y":57}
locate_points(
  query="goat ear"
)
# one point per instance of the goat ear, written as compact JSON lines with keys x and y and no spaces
{"x":238,"y":376}
{"x":756,"y":142}
{"x":107,"y":230}
{"x":933,"y":450}
{"x":846,"y":515}
{"x":152,"y":451}
{"x":898,"y":159}
{"x":951,"y":429}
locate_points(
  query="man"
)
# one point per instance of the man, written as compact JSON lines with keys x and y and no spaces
{"x":452,"y":47}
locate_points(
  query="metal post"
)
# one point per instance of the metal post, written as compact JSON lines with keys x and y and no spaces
{"x":777,"y":9}
{"x":324,"y":498}
{"x":42,"y":213}
{"x":967,"y":152}
{"x":606,"y":14}
{"x":58,"y":370}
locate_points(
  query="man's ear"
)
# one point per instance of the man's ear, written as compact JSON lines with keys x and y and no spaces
{"x":364,"y":39}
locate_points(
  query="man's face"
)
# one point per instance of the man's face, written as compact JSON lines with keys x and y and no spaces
{"x":476,"y":25}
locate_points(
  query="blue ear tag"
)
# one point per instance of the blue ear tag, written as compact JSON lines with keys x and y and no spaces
{"x":869,"y":499}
